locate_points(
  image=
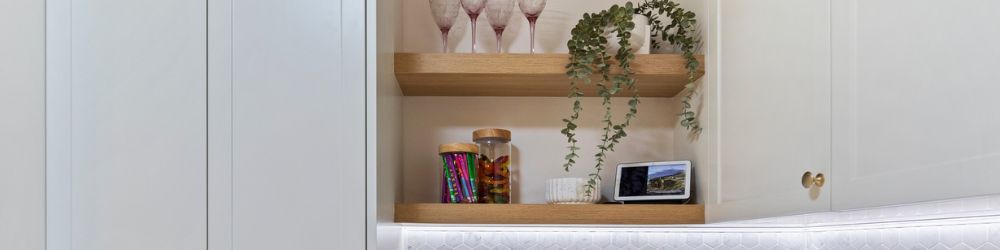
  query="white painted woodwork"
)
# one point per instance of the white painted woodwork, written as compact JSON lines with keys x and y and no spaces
{"x":296,"y":117}
{"x":126,"y":161}
{"x":916,"y":115}
{"x":22,"y":125}
{"x":774,"y":107}
{"x":700,"y":148}
{"x":58,"y":210}
{"x":384,"y":131}
{"x":220,"y":124}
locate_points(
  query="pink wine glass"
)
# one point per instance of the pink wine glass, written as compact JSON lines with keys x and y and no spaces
{"x":531,"y":9}
{"x":473,"y":8}
{"x":499,"y":12}
{"x":444,"y":12}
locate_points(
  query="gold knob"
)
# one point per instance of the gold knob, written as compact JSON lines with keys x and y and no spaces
{"x":808,"y":180}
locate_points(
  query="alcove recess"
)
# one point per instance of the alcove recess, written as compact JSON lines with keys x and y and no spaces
{"x":533,"y":75}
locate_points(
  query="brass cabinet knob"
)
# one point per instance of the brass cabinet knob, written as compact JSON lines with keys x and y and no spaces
{"x":808,"y":180}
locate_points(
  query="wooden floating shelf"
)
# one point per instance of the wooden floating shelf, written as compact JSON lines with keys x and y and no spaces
{"x":594,"y":214}
{"x":455,"y":74}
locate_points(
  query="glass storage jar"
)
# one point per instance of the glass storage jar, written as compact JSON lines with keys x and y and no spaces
{"x":494,"y":164}
{"x":458,"y":174}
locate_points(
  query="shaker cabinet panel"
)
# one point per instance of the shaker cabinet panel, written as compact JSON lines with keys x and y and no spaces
{"x":774,"y":107}
{"x":126,"y":136}
{"x":916,"y":116}
{"x":296,"y":152}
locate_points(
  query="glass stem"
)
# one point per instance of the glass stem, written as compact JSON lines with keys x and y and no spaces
{"x":531,"y":23}
{"x":499,"y":32}
{"x":444,"y":40}
{"x":473,"y":17}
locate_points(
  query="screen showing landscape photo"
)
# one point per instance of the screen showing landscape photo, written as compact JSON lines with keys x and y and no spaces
{"x":652,"y":180}
{"x":666,"y":180}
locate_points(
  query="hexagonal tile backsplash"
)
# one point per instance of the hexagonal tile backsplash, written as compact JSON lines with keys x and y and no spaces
{"x":971,"y":223}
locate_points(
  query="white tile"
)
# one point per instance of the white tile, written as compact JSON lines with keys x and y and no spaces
{"x":600,"y":239}
{"x":768,"y":240}
{"x":929,"y":236}
{"x":873,"y":237}
{"x":939,"y":247}
{"x":995,"y":234}
{"x":638,"y":239}
{"x":989,"y":246}
{"x":693,"y":240}
{"x":951,"y":236}
{"x":890,"y":238}
{"x":675,"y":240}
{"x":453,"y":239}
{"x":909,"y":238}
{"x":975,"y":235}
{"x":856,"y":239}
{"x":657,"y":241}
{"x":713,"y":240}
{"x":750,"y":240}
{"x":961,"y":246}
{"x":972,"y":236}
{"x":730,"y":240}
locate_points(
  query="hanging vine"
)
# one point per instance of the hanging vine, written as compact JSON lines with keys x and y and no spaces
{"x":589,"y":56}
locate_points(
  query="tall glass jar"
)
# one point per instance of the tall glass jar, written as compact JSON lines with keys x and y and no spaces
{"x":494,"y":164}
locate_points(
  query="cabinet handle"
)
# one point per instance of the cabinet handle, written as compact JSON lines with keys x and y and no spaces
{"x":808,"y":180}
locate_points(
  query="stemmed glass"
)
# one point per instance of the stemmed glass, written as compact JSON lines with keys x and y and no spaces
{"x":531,"y":9}
{"x":498,"y":12}
{"x":473,"y":8}
{"x":444,"y":12}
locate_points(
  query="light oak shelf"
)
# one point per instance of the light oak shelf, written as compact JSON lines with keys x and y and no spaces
{"x":595,"y":214}
{"x":457,"y":74}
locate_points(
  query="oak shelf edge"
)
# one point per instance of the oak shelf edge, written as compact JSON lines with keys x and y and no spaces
{"x":593,"y":214}
{"x":458,"y":74}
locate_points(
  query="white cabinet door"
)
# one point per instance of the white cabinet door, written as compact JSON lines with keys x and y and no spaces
{"x":22,"y":124}
{"x":774,"y":107}
{"x":126,"y":149}
{"x":287,"y":124}
{"x":916,"y":112}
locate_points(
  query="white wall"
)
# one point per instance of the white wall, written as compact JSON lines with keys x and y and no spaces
{"x":552,"y":30}
{"x":22,"y":124}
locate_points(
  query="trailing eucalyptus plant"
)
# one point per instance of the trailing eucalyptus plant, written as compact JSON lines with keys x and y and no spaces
{"x":588,"y":56}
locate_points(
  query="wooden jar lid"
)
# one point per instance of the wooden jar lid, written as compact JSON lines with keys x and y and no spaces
{"x":491,"y":133}
{"x":458,"y":147}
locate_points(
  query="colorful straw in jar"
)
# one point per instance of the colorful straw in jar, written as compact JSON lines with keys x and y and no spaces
{"x":458,"y":180}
